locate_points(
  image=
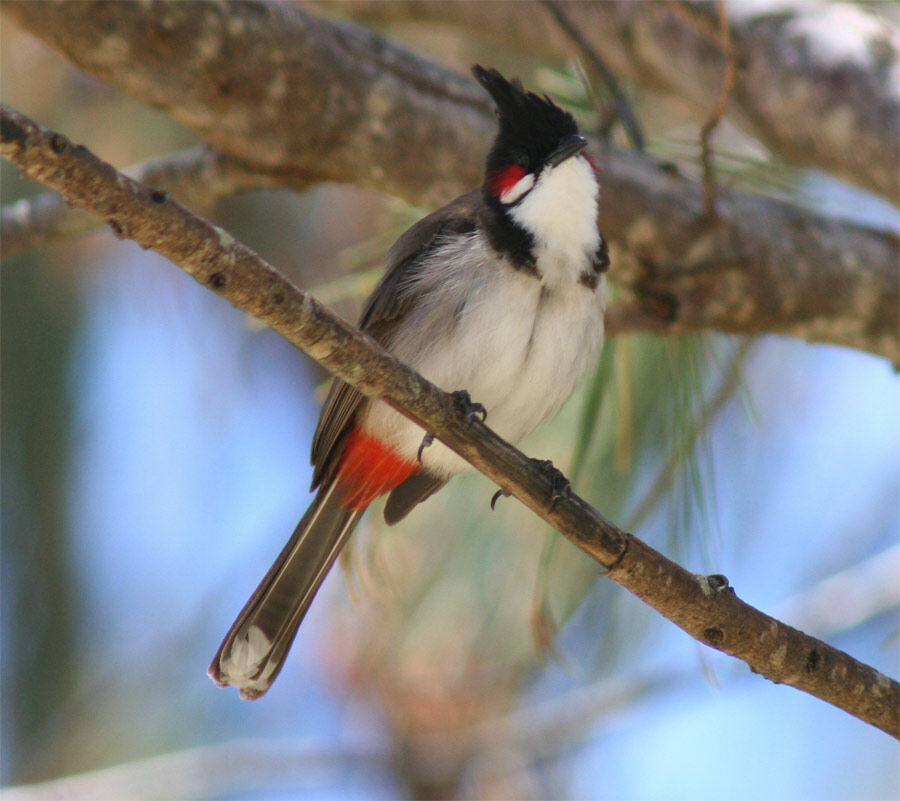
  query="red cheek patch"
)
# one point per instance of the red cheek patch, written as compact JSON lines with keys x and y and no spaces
{"x":503,"y":180}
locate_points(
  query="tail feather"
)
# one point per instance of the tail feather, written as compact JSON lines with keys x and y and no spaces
{"x":254,"y":650}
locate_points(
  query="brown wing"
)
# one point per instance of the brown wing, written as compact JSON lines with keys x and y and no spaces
{"x":383,"y":311}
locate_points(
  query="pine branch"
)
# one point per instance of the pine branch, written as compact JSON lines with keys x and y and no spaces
{"x":703,"y":606}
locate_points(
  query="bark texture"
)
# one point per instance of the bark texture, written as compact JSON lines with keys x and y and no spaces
{"x":703,"y":606}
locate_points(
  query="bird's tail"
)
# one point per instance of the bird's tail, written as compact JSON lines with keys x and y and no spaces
{"x":253,"y":651}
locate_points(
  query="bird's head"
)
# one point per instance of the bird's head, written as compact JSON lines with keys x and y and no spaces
{"x":539,"y":182}
{"x":536,"y":136}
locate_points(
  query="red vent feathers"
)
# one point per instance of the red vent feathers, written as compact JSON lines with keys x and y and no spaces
{"x":369,"y":468}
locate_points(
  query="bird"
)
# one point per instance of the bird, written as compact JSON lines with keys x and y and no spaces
{"x":501,"y":292}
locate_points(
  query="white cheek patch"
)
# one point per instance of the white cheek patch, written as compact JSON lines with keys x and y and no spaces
{"x":519,"y":188}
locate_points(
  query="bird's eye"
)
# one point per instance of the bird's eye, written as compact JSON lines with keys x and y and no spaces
{"x":521,"y":159}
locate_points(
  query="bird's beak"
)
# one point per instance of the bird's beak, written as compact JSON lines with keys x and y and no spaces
{"x":570,"y":145}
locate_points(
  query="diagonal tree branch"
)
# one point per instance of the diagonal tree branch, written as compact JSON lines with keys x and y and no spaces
{"x":310,"y":98}
{"x":703,"y":606}
{"x":197,"y":177}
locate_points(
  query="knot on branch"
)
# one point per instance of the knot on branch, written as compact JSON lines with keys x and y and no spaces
{"x":713,"y":636}
{"x":59,"y":143}
{"x":713,"y":584}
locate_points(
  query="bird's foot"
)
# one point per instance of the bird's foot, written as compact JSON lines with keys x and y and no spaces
{"x":467,"y":407}
{"x":560,"y":486}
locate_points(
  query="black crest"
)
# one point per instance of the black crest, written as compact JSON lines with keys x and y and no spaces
{"x":530,"y":126}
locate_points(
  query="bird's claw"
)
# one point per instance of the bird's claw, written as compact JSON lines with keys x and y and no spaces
{"x":561,"y":488}
{"x":426,"y":441}
{"x":500,"y":493}
{"x":467,"y":407}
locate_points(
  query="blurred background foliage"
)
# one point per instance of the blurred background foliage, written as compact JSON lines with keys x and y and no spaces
{"x":154,"y":455}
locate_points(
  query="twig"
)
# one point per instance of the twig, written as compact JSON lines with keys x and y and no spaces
{"x":623,"y":105}
{"x":706,"y":131}
{"x":705,"y":607}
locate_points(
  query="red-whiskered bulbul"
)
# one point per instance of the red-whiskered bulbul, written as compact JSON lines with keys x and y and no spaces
{"x":501,"y":292}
